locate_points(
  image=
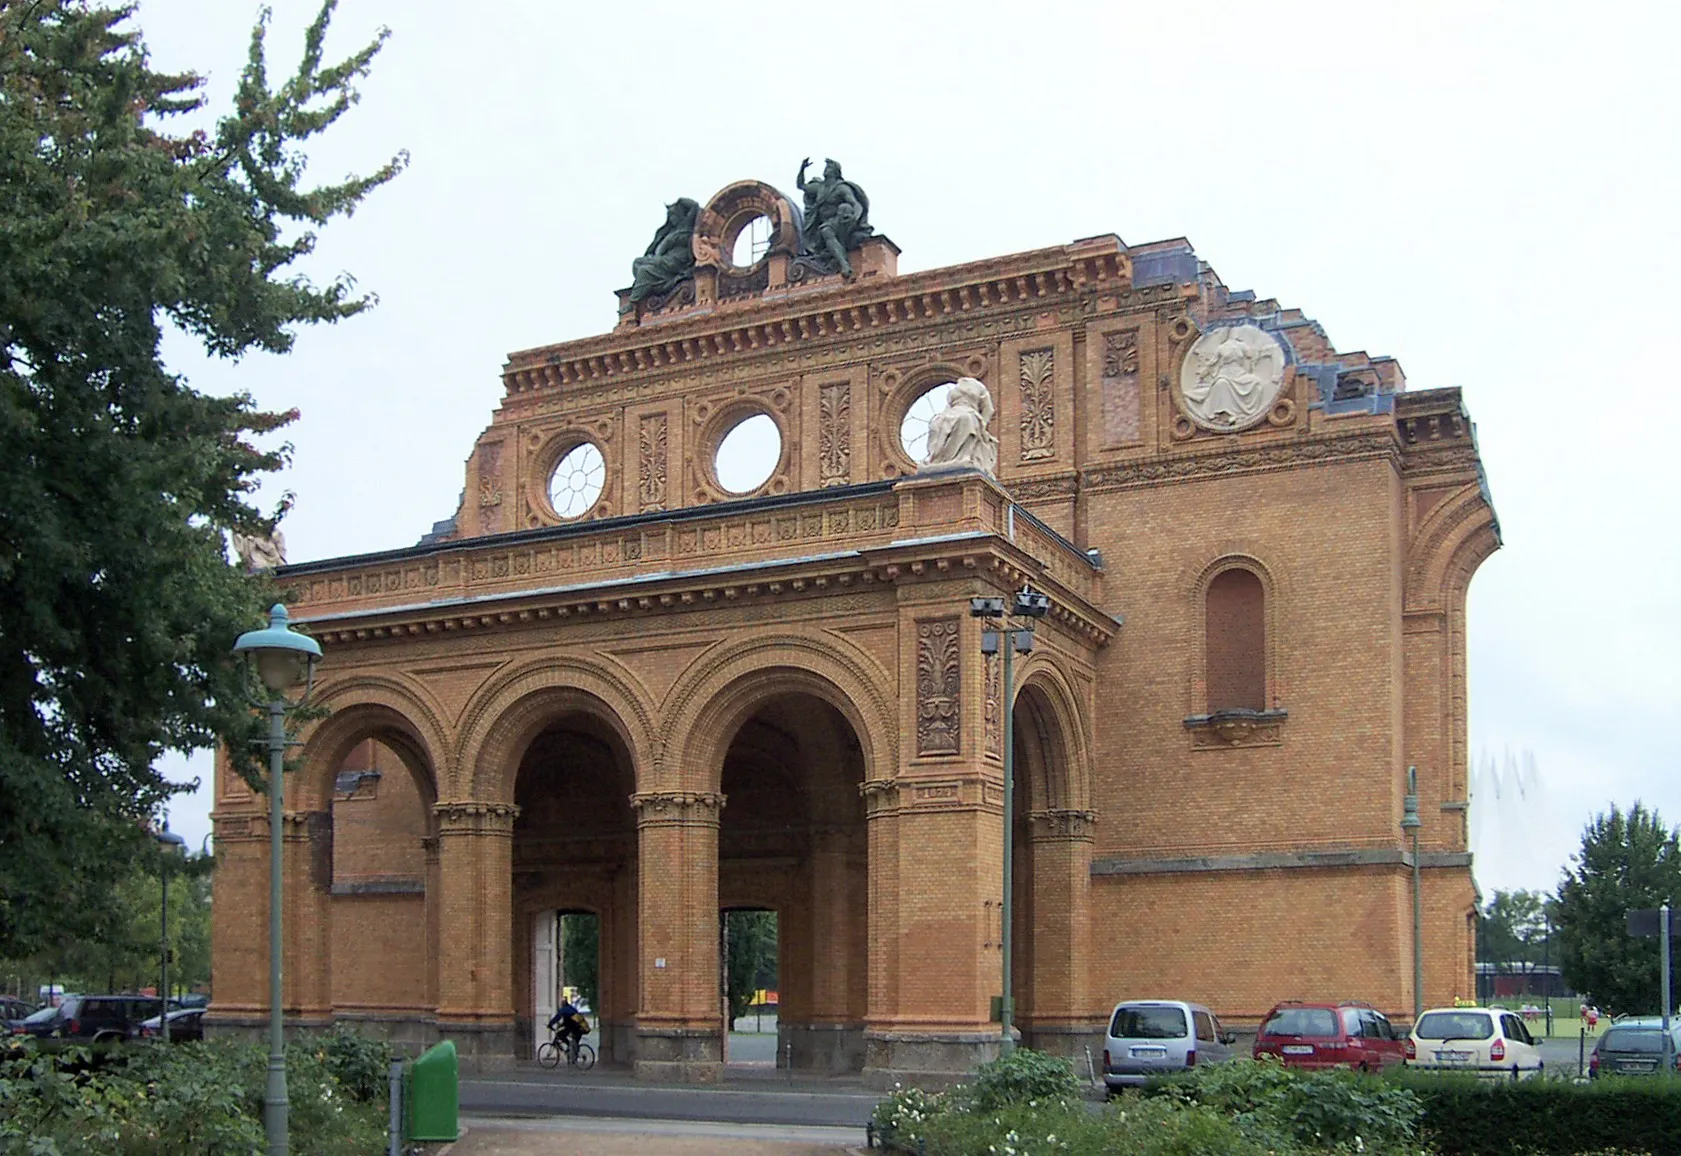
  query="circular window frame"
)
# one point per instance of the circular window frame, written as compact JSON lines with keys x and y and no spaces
{"x":719,"y":425}
{"x":548,"y":459}
{"x":897,"y":461}
{"x":735,"y":226}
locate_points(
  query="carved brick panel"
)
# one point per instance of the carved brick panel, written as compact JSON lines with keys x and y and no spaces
{"x":651,"y":462}
{"x":1122,"y":397}
{"x":938,"y":670}
{"x":834,"y":434}
{"x":994,"y":707}
{"x":1038,"y":405}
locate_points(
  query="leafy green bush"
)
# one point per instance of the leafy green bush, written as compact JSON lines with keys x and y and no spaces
{"x":1464,"y":1116}
{"x":1021,"y":1077}
{"x":1318,"y":1108}
{"x":197,"y":1099}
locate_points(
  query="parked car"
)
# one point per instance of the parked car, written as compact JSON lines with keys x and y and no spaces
{"x":14,"y":1011}
{"x":1490,"y":1041}
{"x":1332,"y":1034}
{"x":1634,"y":1049}
{"x":1155,"y":1037}
{"x":184,"y":1024}
{"x":99,"y":1019}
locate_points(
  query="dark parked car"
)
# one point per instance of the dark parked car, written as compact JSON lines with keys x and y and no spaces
{"x":1333,"y":1034}
{"x":14,"y":1011}
{"x":184,"y":1024}
{"x":98,"y":1019}
{"x":1633,"y":1050}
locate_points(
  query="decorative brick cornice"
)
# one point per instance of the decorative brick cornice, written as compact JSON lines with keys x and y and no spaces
{"x":1238,"y":459}
{"x":677,"y":808}
{"x":469,"y":817}
{"x":1029,"y":282}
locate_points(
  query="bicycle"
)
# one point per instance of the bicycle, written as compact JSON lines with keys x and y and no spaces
{"x":580,"y":1055}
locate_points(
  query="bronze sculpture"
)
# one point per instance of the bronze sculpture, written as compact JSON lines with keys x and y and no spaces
{"x":670,"y":259}
{"x":837,"y":215}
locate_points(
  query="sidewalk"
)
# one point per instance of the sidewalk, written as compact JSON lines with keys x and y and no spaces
{"x":598,"y":1137}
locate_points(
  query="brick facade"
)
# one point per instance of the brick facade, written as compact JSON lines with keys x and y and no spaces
{"x":686,"y":699}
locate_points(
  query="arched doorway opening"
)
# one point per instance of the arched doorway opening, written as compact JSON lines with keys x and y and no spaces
{"x":1051,"y":877}
{"x":792,"y":840}
{"x":574,"y":854}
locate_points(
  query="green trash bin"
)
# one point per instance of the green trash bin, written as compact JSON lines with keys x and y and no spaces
{"x":432,"y":1090}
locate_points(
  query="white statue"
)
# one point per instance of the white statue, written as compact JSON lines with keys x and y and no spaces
{"x":957,"y":435}
{"x":1231,"y":377}
{"x":259,"y":552}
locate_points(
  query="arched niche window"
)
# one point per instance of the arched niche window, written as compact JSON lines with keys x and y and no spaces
{"x":1235,"y":701}
{"x":1235,"y":651}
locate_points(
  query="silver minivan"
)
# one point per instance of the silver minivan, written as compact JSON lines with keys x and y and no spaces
{"x":1156,"y":1037}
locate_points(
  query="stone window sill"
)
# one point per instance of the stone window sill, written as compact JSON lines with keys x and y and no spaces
{"x":1225,"y":729}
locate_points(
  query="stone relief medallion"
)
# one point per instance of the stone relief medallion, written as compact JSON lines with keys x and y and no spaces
{"x":1231,"y":377}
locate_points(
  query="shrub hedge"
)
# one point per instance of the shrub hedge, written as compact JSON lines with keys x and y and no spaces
{"x":1463,"y":1116}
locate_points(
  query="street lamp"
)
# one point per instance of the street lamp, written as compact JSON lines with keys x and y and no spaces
{"x":173,"y":845}
{"x":1026,"y":607}
{"x":1410,"y":823}
{"x":282,"y":658}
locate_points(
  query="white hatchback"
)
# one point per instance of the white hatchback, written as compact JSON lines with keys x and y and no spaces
{"x":1489,"y":1041}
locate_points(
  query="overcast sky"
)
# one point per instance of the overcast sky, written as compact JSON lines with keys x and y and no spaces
{"x":1482,"y":191}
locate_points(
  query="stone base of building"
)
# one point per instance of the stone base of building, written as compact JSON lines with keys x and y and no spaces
{"x":926,"y":1059}
{"x":829,"y":1049}
{"x":679,"y":1055}
{"x":1080,"y":1042}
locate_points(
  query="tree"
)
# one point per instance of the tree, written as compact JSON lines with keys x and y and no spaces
{"x":118,"y":481}
{"x":750,"y":947}
{"x":1626,"y":862}
{"x":1512,"y":929}
{"x":580,"y":945}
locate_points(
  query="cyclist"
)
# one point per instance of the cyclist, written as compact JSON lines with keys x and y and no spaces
{"x":568,"y":1026}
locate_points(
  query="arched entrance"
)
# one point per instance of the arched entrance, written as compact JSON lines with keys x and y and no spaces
{"x":1051,"y":889}
{"x":792,"y":840}
{"x":574,"y":852}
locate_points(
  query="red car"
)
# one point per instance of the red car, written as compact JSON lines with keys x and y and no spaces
{"x":1345,"y":1034}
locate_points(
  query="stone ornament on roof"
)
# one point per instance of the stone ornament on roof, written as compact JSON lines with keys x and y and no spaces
{"x":670,"y":259}
{"x":957,"y":435}
{"x":1231,"y":377}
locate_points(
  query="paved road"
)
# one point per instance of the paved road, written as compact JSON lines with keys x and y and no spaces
{"x":538,"y":1092}
{"x":596,"y":1136}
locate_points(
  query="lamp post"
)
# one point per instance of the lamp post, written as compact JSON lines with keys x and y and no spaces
{"x":1027,"y":606}
{"x":1410,"y":823}
{"x":173,"y":845}
{"x":282,"y":658}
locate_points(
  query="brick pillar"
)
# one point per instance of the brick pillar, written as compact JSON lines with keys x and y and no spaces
{"x":475,"y":930}
{"x":1057,"y":946}
{"x":830,"y":1036}
{"x":680,"y":1014}
{"x":936,"y":875}
{"x":307,"y":861}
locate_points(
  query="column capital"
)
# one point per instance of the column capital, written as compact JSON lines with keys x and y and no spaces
{"x":468,"y":817}
{"x":677,"y":808}
{"x":1055,"y":825}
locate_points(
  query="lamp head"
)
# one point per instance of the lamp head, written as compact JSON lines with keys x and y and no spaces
{"x":1031,"y":604}
{"x":283,"y":657}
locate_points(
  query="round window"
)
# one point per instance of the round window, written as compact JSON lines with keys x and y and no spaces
{"x":751,"y":243}
{"x":577,"y":481}
{"x":913,"y":431}
{"x":748,"y":453}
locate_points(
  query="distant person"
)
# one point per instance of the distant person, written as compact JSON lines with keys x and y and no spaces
{"x":569,"y":1025}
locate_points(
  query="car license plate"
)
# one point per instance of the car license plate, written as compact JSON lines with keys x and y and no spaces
{"x":1298,"y":1049}
{"x":1453,"y":1057}
{"x":1149,"y":1053}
